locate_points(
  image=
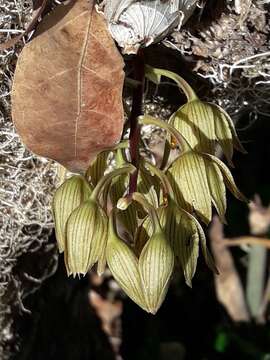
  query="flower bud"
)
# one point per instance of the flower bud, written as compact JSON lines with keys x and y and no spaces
{"x":67,"y":198}
{"x":123,"y":203}
{"x":225,"y":129}
{"x":145,"y":280}
{"x":86,"y":238}
{"x":182,"y":234}
{"x":123,"y":265}
{"x":217,"y":188}
{"x":156,"y":264}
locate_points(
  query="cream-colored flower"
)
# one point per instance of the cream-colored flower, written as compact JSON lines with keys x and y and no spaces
{"x":71,"y":194}
{"x":198,"y":181}
{"x":86,"y":238}
{"x":145,"y":279}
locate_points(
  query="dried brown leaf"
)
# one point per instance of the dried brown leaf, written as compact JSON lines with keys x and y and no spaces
{"x":67,"y":92}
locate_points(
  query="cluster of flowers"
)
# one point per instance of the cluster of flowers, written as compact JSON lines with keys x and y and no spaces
{"x":144,"y":234}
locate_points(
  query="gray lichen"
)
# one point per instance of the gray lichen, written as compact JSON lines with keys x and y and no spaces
{"x":26,"y":184}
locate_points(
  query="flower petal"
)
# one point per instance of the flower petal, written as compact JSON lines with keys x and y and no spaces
{"x":67,"y":198}
{"x":189,"y":181}
{"x":217,"y":188}
{"x":86,"y":237}
{"x":236,"y":142}
{"x":228,"y":178}
{"x":156,"y":264}
{"x":124,"y":267}
{"x":195,"y":121}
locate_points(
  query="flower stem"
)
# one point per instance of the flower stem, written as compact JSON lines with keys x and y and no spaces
{"x":154,"y":74}
{"x":149,"y":209}
{"x":126,"y":169}
{"x":112,"y":226}
{"x":150,"y":120}
{"x":167,"y":188}
{"x":137,"y":110}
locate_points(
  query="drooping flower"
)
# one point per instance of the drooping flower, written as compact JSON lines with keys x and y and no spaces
{"x":86,"y":229}
{"x":204,"y":125}
{"x":144,"y":278}
{"x":86,"y":238}
{"x":182,"y":230}
{"x":71,"y":194}
{"x":198,"y":181}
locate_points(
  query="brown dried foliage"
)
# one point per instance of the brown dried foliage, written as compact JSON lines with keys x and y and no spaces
{"x":67,"y":90}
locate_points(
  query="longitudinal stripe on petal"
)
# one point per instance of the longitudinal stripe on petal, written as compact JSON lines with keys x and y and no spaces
{"x":156,"y":264}
{"x":228,"y":178}
{"x":195,"y":121}
{"x":66,"y":199}
{"x":124,"y":267}
{"x":98,"y":167}
{"x":180,"y":120}
{"x":236,"y":142}
{"x":189,"y":250}
{"x":217,"y":188}
{"x":223,"y":134}
{"x":189,"y":254}
{"x":103,"y":226}
{"x":207,"y":256}
{"x":204,"y":126}
{"x":86,"y":237}
{"x":189,"y":173}
{"x":185,"y":247}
